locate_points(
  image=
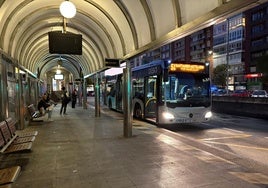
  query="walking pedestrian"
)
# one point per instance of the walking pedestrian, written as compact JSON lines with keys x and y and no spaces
{"x":74,"y":97}
{"x":64,"y":101}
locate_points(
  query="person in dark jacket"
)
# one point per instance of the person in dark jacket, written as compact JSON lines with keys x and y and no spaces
{"x":74,"y":97}
{"x":45,"y":107}
{"x":64,"y":101}
{"x":49,"y":100}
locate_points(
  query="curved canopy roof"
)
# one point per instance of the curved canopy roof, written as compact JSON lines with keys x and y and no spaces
{"x":110,"y":28}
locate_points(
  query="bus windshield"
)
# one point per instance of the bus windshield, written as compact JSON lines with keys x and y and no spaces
{"x":187,"y":89}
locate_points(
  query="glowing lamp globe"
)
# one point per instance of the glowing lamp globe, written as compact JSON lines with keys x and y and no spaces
{"x":67,"y":9}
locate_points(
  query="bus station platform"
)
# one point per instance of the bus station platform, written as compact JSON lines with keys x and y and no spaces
{"x":83,"y":151}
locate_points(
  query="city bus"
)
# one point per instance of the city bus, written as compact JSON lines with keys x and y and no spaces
{"x":167,"y":92}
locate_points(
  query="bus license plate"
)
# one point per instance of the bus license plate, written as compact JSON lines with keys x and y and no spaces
{"x":184,"y":120}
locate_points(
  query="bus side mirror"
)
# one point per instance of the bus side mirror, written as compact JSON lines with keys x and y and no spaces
{"x":165,"y":75}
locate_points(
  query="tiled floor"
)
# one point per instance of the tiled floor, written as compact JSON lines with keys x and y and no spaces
{"x":83,"y":151}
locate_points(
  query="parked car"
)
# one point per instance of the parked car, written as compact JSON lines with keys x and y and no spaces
{"x":91,"y":93}
{"x":259,"y":93}
{"x":241,"y":93}
{"x":220,"y":92}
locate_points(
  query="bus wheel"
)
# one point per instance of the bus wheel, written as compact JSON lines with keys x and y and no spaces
{"x":137,"y":111}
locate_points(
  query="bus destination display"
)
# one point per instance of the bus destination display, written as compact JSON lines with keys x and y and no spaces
{"x":191,"y":68}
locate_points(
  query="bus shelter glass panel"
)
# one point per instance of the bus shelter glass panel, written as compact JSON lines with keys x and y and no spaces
{"x":111,"y":92}
{"x":119,"y":90}
{"x":32,"y":87}
{"x":26,"y":95}
{"x":30,"y":92}
{"x":1,"y":94}
{"x":12,"y":91}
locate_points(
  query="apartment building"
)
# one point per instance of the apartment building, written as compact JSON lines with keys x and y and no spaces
{"x":256,"y":44}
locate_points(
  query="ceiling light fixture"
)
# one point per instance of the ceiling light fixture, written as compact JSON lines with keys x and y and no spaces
{"x":67,"y":9}
{"x":58,"y":71}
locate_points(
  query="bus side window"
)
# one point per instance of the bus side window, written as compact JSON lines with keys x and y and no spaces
{"x":138,"y":88}
{"x":149,"y":95}
{"x":151,"y":87}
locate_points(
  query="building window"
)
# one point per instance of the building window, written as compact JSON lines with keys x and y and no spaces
{"x":256,"y":55}
{"x":257,"y":16}
{"x":236,"y":34}
{"x":236,"y":21}
{"x":257,"y":42}
{"x":257,"y":28}
{"x":235,"y":46}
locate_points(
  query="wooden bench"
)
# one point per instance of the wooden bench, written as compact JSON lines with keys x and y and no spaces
{"x":33,"y":112}
{"x":6,"y":141}
{"x":13,"y":141}
{"x":22,"y":136}
{"x":11,"y":125}
{"x":9,"y":175}
{"x":35,"y":115}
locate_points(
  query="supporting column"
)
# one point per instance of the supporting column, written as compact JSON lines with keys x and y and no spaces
{"x":80,"y":92}
{"x":84,"y":94}
{"x":22,"y":107}
{"x":3,"y":84}
{"x":97,"y":96}
{"x":127,"y":100}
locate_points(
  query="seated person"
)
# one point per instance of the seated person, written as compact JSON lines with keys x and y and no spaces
{"x":44,"y":106}
{"x":49,"y":100}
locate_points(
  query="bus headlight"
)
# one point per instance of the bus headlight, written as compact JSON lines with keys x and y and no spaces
{"x":168,"y":115}
{"x":208,"y":115}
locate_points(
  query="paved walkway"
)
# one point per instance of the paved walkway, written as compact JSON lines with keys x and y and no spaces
{"x":79,"y":150}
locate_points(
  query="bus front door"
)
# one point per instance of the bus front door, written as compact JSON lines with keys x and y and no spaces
{"x":150,"y":105}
